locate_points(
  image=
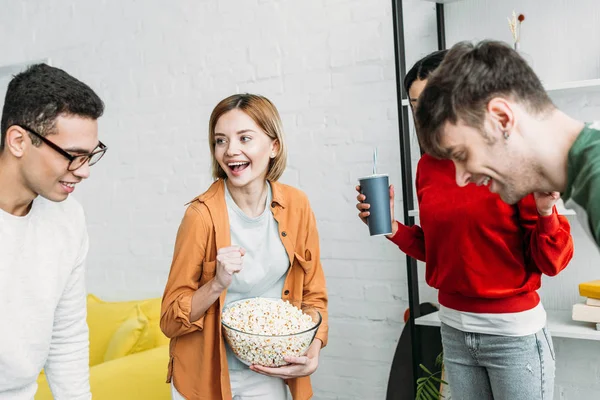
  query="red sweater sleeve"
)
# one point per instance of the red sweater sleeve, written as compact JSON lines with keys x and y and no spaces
{"x":410,"y":240}
{"x":548,"y":241}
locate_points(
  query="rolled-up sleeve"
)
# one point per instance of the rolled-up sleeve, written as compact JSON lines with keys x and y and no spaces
{"x":184,"y":277}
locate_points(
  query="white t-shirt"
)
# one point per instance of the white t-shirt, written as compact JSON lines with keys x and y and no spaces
{"x":265,"y":268}
{"x":265,"y":263}
{"x":43,"y":301}
{"x":522,"y":323}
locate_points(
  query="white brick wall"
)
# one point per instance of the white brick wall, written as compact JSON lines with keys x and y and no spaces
{"x":329,"y":67}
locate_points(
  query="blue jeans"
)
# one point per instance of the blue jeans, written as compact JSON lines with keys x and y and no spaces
{"x":481,"y":367}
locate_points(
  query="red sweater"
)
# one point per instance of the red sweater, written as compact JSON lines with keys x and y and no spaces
{"x":483,"y":255}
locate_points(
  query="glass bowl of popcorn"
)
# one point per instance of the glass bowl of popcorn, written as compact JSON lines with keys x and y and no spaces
{"x":263,"y":331}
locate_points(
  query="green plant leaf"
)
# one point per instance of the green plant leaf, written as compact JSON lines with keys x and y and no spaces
{"x":439,"y":361}
{"x":438,"y":380}
{"x":420,"y":395}
{"x":430,"y":387}
{"x":431,"y":393}
{"x":425,"y":369}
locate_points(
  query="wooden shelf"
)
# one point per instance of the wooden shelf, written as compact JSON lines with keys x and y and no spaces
{"x":575,"y":86}
{"x":560,"y":324}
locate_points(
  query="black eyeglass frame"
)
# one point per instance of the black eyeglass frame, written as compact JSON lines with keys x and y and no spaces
{"x":82,"y":157}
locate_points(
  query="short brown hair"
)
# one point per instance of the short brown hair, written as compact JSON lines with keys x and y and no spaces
{"x":266,"y":116}
{"x":468,"y":78}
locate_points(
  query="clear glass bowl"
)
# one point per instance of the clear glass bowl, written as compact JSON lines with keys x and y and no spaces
{"x":269,"y":350}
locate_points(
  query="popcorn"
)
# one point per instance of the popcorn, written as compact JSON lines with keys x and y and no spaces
{"x":266,"y":330}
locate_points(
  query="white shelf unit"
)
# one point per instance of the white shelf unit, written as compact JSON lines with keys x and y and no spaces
{"x":442,"y":1}
{"x":588,"y":85}
{"x":560,"y":324}
{"x":575,"y":86}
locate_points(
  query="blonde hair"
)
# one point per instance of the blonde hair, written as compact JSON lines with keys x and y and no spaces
{"x":265,"y":115}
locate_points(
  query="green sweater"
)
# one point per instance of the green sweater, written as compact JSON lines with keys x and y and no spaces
{"x":583,"y":181}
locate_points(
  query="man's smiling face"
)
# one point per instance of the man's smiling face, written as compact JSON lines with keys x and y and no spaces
{"x":486,"y":157}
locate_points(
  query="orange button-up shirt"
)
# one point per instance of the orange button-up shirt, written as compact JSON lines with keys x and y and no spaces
{"x":198,"y":362}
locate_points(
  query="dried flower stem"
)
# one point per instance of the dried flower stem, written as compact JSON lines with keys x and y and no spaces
{"x":514,"y":24}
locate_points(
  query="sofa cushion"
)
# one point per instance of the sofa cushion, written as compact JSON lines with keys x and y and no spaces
{"x":151,"y":308}
{"x":138,"y":376}
{"x":128,"y":336}
{"x":99,"y":340}
{"x":104,"y":318}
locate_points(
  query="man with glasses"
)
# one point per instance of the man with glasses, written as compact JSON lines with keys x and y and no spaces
{"x":49,"y":141}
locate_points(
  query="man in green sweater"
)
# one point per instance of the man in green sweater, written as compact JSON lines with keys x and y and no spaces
{"x":486,"y":110}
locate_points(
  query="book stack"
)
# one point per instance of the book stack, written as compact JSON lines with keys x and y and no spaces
{"x":590,"y":310}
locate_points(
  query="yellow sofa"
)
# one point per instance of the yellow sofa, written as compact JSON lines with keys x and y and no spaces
{"x":128,"y":352}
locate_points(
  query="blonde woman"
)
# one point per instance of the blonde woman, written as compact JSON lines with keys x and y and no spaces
{"x":248,"y":235}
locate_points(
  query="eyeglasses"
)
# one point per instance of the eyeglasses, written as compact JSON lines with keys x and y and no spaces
{"x":75,"y":162}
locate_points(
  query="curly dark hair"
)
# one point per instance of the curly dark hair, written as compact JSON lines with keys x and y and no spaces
{"x":40,"y":94}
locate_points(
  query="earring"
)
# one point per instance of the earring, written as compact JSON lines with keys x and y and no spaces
{"x":273,"y":155}
{"x":506,"y":135}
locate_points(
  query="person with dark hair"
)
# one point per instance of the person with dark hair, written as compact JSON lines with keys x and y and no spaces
{"x":247,"y":236}
{"x":49,"y":140}
{"x":486,"y":258}
{"x":487,"y":111}
{"x":416,"y":78}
